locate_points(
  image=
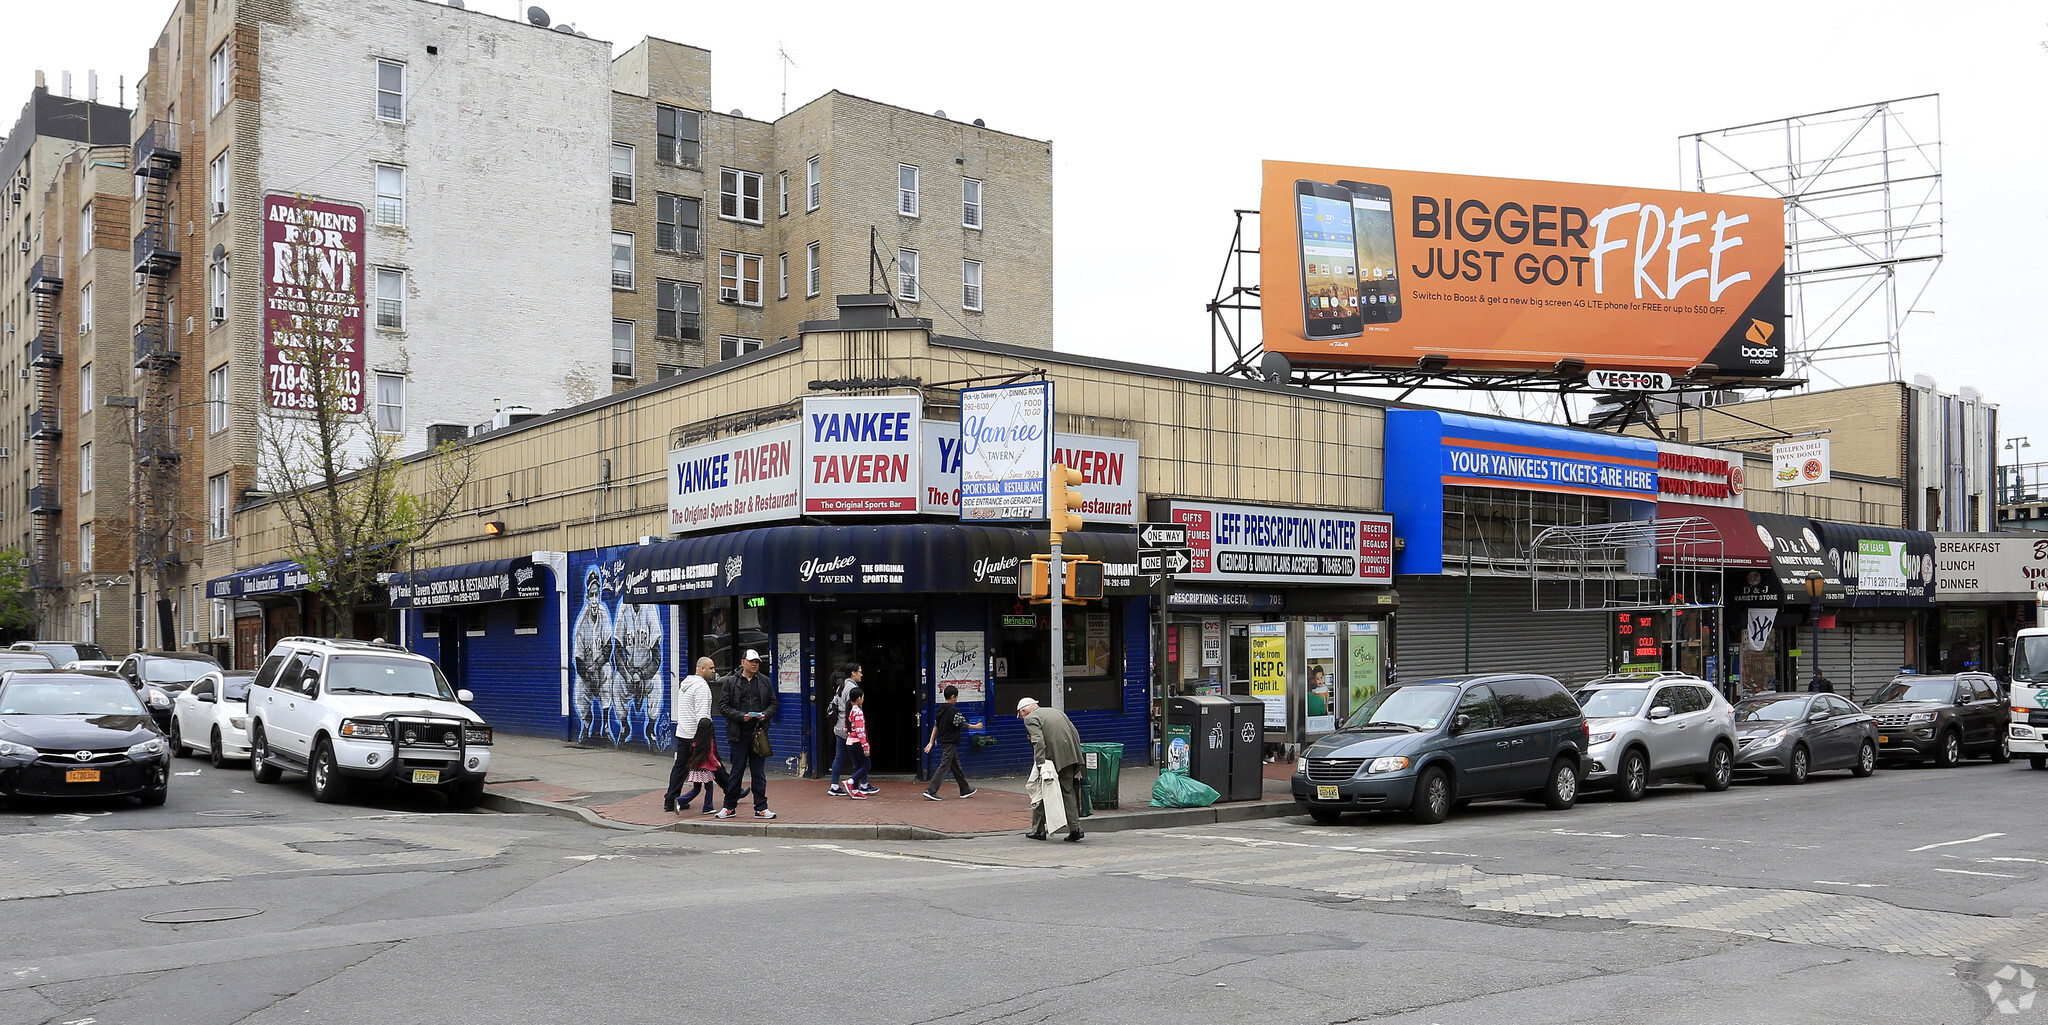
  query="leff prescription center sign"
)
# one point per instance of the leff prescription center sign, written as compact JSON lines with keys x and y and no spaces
{"x":312,"y":303}
{"x":1368,"y":266}
{"x":1263,"y":544}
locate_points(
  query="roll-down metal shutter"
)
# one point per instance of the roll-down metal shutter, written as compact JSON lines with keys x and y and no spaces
{"x":1429,"y":632}
{"x":1858,"y":657}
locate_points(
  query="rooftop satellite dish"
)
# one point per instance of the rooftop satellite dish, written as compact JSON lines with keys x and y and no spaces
{"x":1276,"y":367}
{"x":736,"y":112}
{"x":457,"y":4}
{"x":537,"y":16}
{"x":1923,"y":381}
{"x":566,"y":29}
{"x":979,"y":123}
{"x":938,"y":113}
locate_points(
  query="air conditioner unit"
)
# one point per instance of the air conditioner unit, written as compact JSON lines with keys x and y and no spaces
{"x":24,"y":373}
{"x":84,"y":328}
{"x":66,"y":568}
{"x":6,"y":453}
{"x":188,"y":325}
{"x":220,"y":209}
{"x":24,"y":245}
{"x":729,"y":295}
{"x":188,"y":535}
{"x":191,"y":637}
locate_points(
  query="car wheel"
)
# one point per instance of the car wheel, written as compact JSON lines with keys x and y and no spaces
{"x":1866,"y":760}
{"x":1951,"y":751}
{"x":2001,"y":752}
{"x":1326,"y":816}
{"x":213,"y":749}
{"x":328,"y":786}
{"x":1563,"y":790}
{"x":1632,"y":777}
{"x":466,"y":794}
{"x":154,"y":798}
{"x":259,"y":757}
{"x":177,"y":740}
{"x":1797,"y":767}
{"x":1432,"y":798}
{"x":1720,"y":769}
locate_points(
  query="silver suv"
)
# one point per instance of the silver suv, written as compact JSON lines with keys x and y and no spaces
{"x":346,"y":712}
{"x":1656,"y":728}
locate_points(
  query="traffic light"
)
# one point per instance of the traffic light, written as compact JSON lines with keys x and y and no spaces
{"x":1034,"y":578}
{"x":1064,"y":501}
{"x":1083,"y":579}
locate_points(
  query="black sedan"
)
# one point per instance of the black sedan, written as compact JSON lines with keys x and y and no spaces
{"x":1791,"y":735}
{"x":78,"y":735}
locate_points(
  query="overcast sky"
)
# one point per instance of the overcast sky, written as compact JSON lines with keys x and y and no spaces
{"x":1160,"y":113}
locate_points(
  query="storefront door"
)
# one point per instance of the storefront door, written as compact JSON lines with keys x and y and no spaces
{"x":887,"y":645}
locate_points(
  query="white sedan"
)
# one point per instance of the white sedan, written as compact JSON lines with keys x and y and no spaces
{"x":212,"y":717}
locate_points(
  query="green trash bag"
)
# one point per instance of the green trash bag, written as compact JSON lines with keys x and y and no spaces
{"x":1176,"y":790}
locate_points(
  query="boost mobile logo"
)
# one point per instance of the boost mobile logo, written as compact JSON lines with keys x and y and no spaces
{"x":1760,"y":334}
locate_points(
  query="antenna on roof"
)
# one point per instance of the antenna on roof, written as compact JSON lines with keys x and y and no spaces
{"x":788,"y":62}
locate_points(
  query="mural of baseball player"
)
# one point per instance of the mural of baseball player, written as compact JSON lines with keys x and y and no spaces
{"x":636,"y":676}
{"x":592,"y":653}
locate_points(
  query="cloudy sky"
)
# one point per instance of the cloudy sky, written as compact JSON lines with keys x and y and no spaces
{"x":1160,"y":114}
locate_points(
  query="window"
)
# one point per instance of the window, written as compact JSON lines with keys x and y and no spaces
{"x":906,"y":190}
{"x":739,"y":195}
{"x":526,"y":616}
{"x":217,"y":399}
{"x":391,"y":195}
{"x":391,"y":298}
{"x":970,"y":203}
{"x":739,"y":278}
{"x":85,"y":548}
{"x":390,"y":404}
{"x":676,"y":132}
{"x":813,"y":185}
{"x":622,"y":348}
{"x":217,"y":505}
{"x":622,"y":259}
{"x":970,"y":285}
{"x":782,"y":276}
{"x":782,"y":193}
{"x":1090,"y":654}
{"x":84,"y":388}
{"x":677,"y":305}
{"x":217,"y":80}
{"x":676,"y":220}
{"x":85,"y":228}
{"x":1478,"y":704}
{"x":906,"y":274}
{"x":811,"y":269}
{"x":622,"y":173}
{"x":730,"y":346}
{"x":473,"y":623}
{"x":390,"y":90}
{"x":217,"y":182}
{"x":85,"y":468}
{"x":217,"y":289}
{"x":85,"y":308}
{"x":664,"y":371}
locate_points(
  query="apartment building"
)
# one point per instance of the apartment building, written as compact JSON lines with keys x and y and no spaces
{"x":728,"y":231}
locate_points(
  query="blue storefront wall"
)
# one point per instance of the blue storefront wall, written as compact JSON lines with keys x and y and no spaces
{"x":512,"y":674}
{"x":1130,"y":726}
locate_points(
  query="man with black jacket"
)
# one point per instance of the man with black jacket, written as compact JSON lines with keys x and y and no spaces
{"x":747,"y":700}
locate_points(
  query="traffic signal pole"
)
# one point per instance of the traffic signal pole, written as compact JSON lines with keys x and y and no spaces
{"x":1062,"y":499}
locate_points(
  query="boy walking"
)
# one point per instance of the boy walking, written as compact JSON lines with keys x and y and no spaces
{"x":947,"y":723}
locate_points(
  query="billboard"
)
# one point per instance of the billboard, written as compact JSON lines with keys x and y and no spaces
{"x":861,"y":454}
{"x":743,"y":479}
{"x":1372,"y":267}
{"x":313,"y":297}
{"x":1005,"y":457}
{"x":1267,"y":544}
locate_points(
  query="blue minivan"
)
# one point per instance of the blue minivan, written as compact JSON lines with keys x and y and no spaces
{"x":1430,"y":745}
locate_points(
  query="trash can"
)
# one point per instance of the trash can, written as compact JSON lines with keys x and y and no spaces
{"x":1198,"y":738}
{"x":1247,"y":750}
{"x":1103,"y":764}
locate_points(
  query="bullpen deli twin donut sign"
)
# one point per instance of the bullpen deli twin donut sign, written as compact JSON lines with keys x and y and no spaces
{"x":1800,"y":463}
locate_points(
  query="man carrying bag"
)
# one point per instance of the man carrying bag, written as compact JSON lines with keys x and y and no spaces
{"x":747,"y":700}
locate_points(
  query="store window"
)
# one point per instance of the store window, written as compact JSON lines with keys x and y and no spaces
{"x":726,"y":627}
{"x":1022,"y":646}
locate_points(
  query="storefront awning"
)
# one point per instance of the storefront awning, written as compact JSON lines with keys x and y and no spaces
{"x":885,"y":559}
{"x":470,"y":583}
{"x":1740,"y":547}
{"x":268,"y":580}
{"x":1894,"y":570}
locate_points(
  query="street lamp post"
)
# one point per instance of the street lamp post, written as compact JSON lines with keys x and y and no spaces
{"x":1814,"y":585}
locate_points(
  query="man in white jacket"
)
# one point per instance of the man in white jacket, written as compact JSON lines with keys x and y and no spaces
{"x":691,"y":706}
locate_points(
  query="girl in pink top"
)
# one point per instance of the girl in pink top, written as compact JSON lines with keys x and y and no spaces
{"x":857,"y":744}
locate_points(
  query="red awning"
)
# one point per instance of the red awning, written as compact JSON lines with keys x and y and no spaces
{"x":1740,"y":546}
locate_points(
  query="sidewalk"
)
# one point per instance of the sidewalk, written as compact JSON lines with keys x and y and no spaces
{"x":621,"y":789}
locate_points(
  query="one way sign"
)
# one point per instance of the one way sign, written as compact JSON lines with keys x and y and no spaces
{"x":1164,"y":560}
{"x":1163,"y":535}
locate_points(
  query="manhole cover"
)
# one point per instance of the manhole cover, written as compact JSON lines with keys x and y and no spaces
{"x":237,"y":813}
{"x":191,"y":915}
{"x":365,"y":845}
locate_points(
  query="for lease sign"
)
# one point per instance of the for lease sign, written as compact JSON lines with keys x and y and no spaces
{"x":860,"y":455}
{"x":1268,"y":544}
{"x":745,"y":479}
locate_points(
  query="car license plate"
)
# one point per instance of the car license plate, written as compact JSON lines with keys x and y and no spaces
{"x":1882,"y":739}
{"x":1326,"y":794}
{"x":82,"y":776}
{"x":426,"y":775}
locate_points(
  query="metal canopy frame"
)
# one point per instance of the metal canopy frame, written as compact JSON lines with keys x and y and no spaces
{"x":1636,"y":565}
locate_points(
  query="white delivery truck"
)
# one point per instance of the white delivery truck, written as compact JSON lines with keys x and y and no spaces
{"x":2030,"y":688}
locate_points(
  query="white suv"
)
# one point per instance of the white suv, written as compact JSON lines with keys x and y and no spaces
{"x":342,"y":711}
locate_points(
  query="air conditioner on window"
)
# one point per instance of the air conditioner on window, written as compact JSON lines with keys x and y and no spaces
{"x":729,"y":295}
{"x":24,"y":245}
{"x":24,"y":373}
{"x":83,"y":328}
{"x":191,"y":637}
{"x":6,"y":453}
{"x":188,"y":535}
{"x":66,"y":570}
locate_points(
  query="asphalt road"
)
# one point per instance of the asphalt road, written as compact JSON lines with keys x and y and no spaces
{"x":1898,"y":898}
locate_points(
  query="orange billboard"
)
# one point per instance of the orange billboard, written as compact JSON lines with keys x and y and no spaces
{"x":1370,"y":267}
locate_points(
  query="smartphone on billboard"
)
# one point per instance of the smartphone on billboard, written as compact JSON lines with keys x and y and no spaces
{"x":1329,"y":261}
{"x":1372,"y":218}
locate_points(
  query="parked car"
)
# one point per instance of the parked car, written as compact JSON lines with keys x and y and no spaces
{"x":212,"y":716}
{"x":92,"y":665}
{"x":1942,"y":719}
{"x":1428,"y":745}
{"x":78,"y":735}
{"x":1788,"y":736}
{"x":62,"y":652}
{"x":346,"y":712}
{"x":159,"y":675}
{"x":1657,"y":728}
{"x":11,"y":660}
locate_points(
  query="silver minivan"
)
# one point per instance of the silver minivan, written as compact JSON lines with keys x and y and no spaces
{"x":1657,"y":728}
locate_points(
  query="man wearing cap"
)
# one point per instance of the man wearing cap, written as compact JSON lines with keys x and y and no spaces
{"x":747,"y":700}
{"x":1054,"y":739}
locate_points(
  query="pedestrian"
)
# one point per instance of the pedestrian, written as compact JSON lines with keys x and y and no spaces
{"x":1054,"y":739}
{"x":857,"y":750}
{"x":836,"y":711}
{"x":747,"y":700}
{"x":947,"y":723}
{"x":700,"y":754}
{"x":691,"y":709}
{"x":1822,"y":685}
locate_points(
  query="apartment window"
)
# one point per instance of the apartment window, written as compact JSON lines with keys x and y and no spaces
{"x":622,"y":348}
{"x":782,"y":193}
{"x":391,"y":195}
{"x":906,"y":190}
{"x":85,"y":549}
{"x":676,"y":131}
{"x":622,"y":259}
{"x":85,"y":308}
{"x":664,"y":371}
{"x":970,"y":282}
{"x":970,"y":203}
{"x":730,"y":346}
{"x":739,"y":278}
{"x":217,"y":505}
{"x":813,"y":184}
{"x":217,"y":183}
{"x":676,"y":220}
{"x":390,"y":90}
{"x":782,"y":276}
{"x":739,"y":195}
{"x":391,"y":403}
{"x":85,"y":228}
{"x":391,"y":298}
{"x":84,"y":388}
{"x":85,"y":468}
{"x":217,"y":80}
{"x":908,"y":275}
{"x":811,"y":270}
{"x":677,"y":306}
{"x":217,"y":399}
{"x":217,"y":288}
{"x":622,"y":173}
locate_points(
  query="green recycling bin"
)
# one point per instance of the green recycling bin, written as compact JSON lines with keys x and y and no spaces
{"x":1103,"y":764}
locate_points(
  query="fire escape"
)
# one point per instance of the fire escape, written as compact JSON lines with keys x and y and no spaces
{"x":45,"y":429}
{"x":156,"y":353}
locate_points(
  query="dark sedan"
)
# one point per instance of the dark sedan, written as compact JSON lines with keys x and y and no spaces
{"x":160,"y":675}
{"x":78,"y":735}
{"x":1791,"y":735}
